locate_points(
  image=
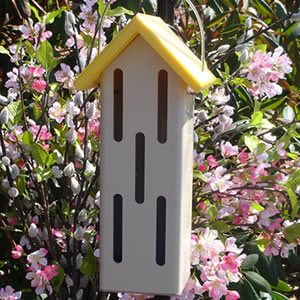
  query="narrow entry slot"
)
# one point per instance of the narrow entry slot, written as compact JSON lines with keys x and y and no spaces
{"x":161,"y":207}
{"x":139,"y":167}
{"x":162,"y":112}
{"x":118,"y":105}
{"x":118,"y":228}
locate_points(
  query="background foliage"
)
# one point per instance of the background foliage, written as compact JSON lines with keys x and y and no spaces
{"x":246,"y":176}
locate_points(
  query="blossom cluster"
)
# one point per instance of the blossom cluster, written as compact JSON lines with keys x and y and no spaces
{"x":265,"y":70}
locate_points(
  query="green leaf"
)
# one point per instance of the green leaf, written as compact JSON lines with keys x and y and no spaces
{"x":198,"y":174}
{"x":242,"y":82}
{"x":293,"y":31}
{"x":101,"y":7}
{"x":250,"y":261}
{"x":256,"y":118}
{"x":39,"y":153}
{"x":264,"y":8}
{"x":4,"y":51}
{"x":251,"y":141}
{"x":258,"y":282}
{"x":282,"y":287}
{"x":21,"y":183}
{"x":58,"y":280}
{"x":49,"y":18}
{"x":29,"y":49}
{"x":13,"y":229}
{"x":51,"y":159}
{"x":292,"y":233}
{"x":260,"y":148}
{"x":218,"y":19}
{"x":15,"y":111}
{"x":35,"y":11}
{"x":293,"y":201}
{"x":279,"y":296}
{"x":43,"y":174}
{"x":119,"y":11}
{"x":26,"y":137}
{"x":257,"y":206}
{"x":89,"y":264}
{"x":220,"y":226}
{"x":46,"y":57}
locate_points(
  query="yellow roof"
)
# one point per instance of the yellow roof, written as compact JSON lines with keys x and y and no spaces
{"x":163,"y":40}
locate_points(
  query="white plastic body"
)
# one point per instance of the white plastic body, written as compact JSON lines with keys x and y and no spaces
{"x":168,"y":172}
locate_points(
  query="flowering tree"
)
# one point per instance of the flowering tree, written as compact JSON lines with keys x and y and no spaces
{"x":246,"y":172}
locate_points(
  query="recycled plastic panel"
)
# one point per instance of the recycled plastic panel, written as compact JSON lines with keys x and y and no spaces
{"x":146,"y":177}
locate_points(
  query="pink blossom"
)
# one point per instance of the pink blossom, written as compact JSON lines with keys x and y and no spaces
{"x":39,"y":281}
{"x":232,"y":295}
{"x":44,"y":135}
{"x":217,"y":288}
{"x":276,"y":224}
{"x":273,"y":247}
{"x":229,"y":263}
{"x":18,"y":252}
{"x":37,"y":258}
{"x":50,"y":271}
{"x":65,"y":76}
{"x":39,"y":85}
{"x":192,"y":286}
{"x":228,"y":150}
{"x":212,"y":162}
{"x":56,"y":112}
{"x":8,"y":293}
{"x":11,"y":221}
{"x":243,"y":156}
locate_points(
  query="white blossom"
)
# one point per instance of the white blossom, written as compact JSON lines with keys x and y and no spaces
{"x":4,"y":115}
{"x":13,"y":192}
{"x":71,"y":135}
{"x":75,"y":186}
{"x":69,"y":169}
{"x":33,"y":230}
{"x":91,"y":110}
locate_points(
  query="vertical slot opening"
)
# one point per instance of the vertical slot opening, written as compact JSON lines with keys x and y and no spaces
{"x":118,"y":105}
{"x":139,"y":167}
{"x":118,"y":228}
{"x":162,"y":112}
{"x":161,"y":209}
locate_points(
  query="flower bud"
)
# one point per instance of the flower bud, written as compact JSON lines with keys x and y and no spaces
{"x":45,"y":236}
{"x":79,"y":232}
{"x":3,"y":100}
{"x":69,"y":281}
{"x":5,"y":160}
{"x":78,"y":152}
{"x":57,"y":172}
{"x":59,"y":159}
{"x":82,"y":216}
{"x":38,"y":209}
{"x":223,"y":48}
{"x":4,"y":115}
{"x":71,"y":17}
{"x":219,"y":128}
{"x":78,"y":261}
{"x":33,"y":231}
{"x":296,"y":16}
{"x":202,"y":115}
{"x":84,"y":282}
{"x":75,"y":186}
{"x":223,"y":118}
{"x":13,"y":192}
{"x":69,"y":169}
{"x":5,"y":183}
{"x":244,"y":56}
{"x":248,"y":23}
{"x":228,"y":110}
{"x":71,"y":135}
{"x":78,"y":99}
{"x":241,"y":48}
{"x":91,"y":110}
{"x":15,"y":172}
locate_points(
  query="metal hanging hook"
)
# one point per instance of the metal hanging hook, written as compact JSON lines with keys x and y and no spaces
{"x":201,"y":32}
